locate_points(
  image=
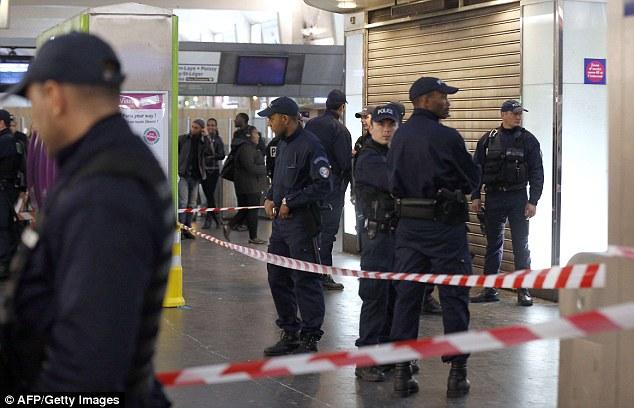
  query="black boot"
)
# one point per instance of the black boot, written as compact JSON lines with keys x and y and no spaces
{"x":207,"y":223}
{"x":329,"y":283}
{"x":307,"y":343}
{"x":431,"y":306}
{"x":370,"y":374}
{"x":524,"y":298}
{"x":216,"y":220}
{"x":289,"y":341}
{"x":487,"y":295}
{"x":457,"y":384}
{"x":404,"y":384}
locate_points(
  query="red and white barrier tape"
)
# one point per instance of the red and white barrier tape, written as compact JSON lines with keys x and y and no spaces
{"x":203,"y":210}
{"x":613,"y":318}
{"x":568,"y":277}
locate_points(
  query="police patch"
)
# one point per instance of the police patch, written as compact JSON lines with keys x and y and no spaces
{"x":324,"y":172}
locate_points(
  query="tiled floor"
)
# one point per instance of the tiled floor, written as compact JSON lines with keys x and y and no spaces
{"x":230,"y":317}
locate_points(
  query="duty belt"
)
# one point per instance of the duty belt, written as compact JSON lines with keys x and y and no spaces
{"x":502,"y":188}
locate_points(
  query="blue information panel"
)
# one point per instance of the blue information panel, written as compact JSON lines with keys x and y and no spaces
{"x":594,"y":71}
{"x":629,"y":8}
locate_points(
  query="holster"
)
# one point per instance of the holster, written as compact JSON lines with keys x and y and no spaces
{"x":373,"y":228}
{"x":311,"y":218}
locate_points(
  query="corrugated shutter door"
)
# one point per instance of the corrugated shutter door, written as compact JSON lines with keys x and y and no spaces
{"x":477,"y":50}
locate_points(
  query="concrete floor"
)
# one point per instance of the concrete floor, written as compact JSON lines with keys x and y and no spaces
{"x":230,"y":317}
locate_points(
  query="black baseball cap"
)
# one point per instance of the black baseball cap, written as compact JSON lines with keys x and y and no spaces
{"x":335,"y":99}
{"x":6,"y":117}
{"x":367,"y":110}
{"x":75,"y":58}
{"x":424,"y":85}
{"x":388,"y":111}
{"x":283,"y":105}
{"x":512,"y":106}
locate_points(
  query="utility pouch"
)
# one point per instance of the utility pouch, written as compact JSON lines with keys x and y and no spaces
{"x":417,"y":208}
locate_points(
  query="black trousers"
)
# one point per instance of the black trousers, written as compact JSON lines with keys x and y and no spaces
{"x":251,"y":216}
{"x":209,"y":187}
{"x":9,"y":235}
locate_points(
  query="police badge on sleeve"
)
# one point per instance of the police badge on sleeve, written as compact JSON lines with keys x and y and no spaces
{"x":324,"y":172}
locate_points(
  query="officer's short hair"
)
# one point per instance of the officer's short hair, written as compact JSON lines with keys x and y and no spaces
{"x":212,"y":120}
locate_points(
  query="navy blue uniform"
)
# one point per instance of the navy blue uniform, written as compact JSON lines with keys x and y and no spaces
{"x":81,"y":295}
{"x":337,"y":142}
{"x":11,"y":163}
{"x":377,"y":249}
{"x":426,"y":156}
{"x":509,"y":203}
{"x":302,"y":177}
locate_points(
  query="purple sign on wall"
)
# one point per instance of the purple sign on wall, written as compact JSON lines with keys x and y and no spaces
{"x":594,"y":71}
{"x":629,"y":7}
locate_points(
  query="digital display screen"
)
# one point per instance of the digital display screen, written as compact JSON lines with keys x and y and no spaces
{"x":12,"y":70}
{"x":269,"y":71}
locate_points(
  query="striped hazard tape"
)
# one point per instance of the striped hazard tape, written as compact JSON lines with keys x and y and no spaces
{"x":613,"y":318}
{"x":567,"y":277}
{"x":202,"y":210}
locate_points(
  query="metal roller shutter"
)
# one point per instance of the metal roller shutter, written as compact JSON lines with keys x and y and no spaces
{"x":476,"y":50}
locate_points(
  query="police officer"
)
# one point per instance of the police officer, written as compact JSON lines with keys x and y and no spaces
{"x":271,"y":154}
{"x":89,"y":283}
{"x":430,"y":170}
{"x":12,"y":165}
{"x":510,"y":158}
{"x":337,"y":142}
{"x":377,"y":235}
{"x":365,"y":115}
{"x":301,"y":179}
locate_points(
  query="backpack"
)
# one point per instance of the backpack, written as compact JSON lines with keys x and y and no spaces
{"x":229,"y":168}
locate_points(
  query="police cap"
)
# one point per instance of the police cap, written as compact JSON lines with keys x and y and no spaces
{"x":512,"y":106}
{"x":283,"y":106}
{"x":388,"y":111}
{"x":425,"y":85}
{"x":367,"y":110}
{"x":335,"y":99}
{"x":75,"y":58}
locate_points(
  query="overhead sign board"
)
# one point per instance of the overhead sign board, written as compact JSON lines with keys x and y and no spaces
{"x":198,"y":67}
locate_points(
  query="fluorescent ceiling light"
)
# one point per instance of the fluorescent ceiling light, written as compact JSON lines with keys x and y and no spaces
{"x":347,"y":4}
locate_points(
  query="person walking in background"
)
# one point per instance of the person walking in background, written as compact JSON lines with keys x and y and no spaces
{"x":212,"y":168}
{"x":249,"y":182}
{"x":193,"y":147}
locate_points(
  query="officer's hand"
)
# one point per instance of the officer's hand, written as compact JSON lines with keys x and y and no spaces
{"x":475,"y":205}
{"x":530,"y":210}
{"x":268,"y":208}
{"x":284,"y":211}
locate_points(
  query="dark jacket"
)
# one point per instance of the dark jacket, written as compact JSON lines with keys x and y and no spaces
{"x":250,"y":171}
{"x":337,"y":141}
{"x":426,"y":156}
{"x":271,"y":154}
{"x":82,"y":291}
{"x":532,"y":155}
{"x":205,"y":148}
{"x":302,"y":172}
{"x":212,"y":161}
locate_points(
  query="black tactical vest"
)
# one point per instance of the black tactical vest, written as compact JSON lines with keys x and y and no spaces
{"x":505,"y":168}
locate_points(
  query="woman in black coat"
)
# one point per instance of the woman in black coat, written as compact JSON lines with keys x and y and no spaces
{"x":249,"y":182}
